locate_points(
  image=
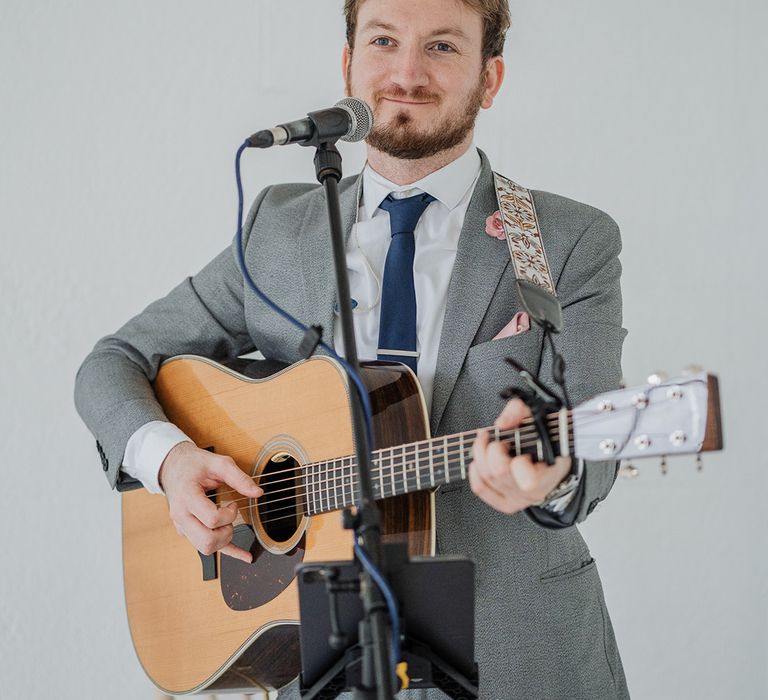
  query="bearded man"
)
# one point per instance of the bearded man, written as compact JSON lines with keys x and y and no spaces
{"x":426,"y":67}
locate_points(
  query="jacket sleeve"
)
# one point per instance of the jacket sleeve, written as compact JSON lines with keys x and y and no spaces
{"x":590,"y":342}
{"x":203,"y":315}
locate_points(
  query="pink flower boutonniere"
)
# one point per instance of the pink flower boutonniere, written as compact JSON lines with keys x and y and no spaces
{"x":494,"y":226}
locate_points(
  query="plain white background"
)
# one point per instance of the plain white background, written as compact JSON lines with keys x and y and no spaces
{"x":118,"y":127}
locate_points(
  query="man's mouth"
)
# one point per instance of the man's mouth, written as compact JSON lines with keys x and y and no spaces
{"x":405,"y":101}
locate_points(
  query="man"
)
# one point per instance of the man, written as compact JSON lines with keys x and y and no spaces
{"x":426,"y":67}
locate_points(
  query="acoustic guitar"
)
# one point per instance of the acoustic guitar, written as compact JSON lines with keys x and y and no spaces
{"x":215,"y":623}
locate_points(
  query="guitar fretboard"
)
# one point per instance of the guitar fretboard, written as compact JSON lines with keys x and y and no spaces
{"x":332,"y":485}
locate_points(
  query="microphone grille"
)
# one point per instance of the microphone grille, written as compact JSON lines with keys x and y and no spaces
{"x":361,"y":118}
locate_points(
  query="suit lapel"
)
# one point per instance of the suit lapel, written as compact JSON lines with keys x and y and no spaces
{"x":480,"y":262}
{"x":317,"y":253}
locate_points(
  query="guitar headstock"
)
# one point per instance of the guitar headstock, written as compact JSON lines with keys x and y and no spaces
{"x":666,"y":417}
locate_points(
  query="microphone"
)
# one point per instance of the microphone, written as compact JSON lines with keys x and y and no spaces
{"x":350,"y":119}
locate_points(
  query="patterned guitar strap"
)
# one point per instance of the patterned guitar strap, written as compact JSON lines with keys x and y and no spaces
{"x":537,"y":292}
{"x":526,"y":249}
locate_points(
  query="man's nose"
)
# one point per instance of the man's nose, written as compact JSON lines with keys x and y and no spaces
{"x":410,"y":68}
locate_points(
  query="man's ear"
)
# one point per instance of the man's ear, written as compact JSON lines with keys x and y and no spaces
{"x":346,"y":55}
{"x":494,"y":77}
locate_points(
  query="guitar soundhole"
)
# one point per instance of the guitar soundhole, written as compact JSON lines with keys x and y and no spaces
{"x":280,"y":510}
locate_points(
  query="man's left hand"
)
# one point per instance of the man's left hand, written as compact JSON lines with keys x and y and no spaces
{"x":511,"y":484}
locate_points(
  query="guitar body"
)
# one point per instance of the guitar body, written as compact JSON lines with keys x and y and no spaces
{"x":214,"y":622}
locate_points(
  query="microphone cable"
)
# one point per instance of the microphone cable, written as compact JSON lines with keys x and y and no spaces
{"x":380,"y":580}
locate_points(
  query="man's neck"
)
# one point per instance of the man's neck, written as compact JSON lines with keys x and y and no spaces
{"x":405,"y":172}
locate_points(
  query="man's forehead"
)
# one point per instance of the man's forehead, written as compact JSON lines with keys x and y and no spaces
{"x":429,"y":17}
{"x":377,"y":24}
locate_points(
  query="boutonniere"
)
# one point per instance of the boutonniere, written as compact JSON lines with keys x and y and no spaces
{"x":494,"y":226}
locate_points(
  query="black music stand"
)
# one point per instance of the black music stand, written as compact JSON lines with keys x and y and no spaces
{"x":438,"y":647}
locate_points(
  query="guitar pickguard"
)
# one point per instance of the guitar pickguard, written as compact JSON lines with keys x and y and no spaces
{"x":247,"y":586}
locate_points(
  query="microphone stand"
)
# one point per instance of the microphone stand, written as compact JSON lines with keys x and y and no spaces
{"x":377,"y":676}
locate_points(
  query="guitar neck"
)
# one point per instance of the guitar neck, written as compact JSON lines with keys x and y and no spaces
{"x":678,"y":417}
{"x":332,"y":485}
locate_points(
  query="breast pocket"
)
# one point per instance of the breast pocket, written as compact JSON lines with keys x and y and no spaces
{"x":485,"y":374}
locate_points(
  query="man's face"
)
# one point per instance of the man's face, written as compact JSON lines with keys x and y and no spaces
{"x":418,"y":63}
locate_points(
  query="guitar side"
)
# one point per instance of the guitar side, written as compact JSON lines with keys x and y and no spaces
{"x":186,"y":635}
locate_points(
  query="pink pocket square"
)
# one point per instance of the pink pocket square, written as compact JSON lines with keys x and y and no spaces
{"x":520,"y":323}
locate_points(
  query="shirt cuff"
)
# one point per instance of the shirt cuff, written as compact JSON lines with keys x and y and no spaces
{"x":146,"y":450}
{"x":558,"y":505}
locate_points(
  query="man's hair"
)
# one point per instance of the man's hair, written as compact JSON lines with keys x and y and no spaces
{"x":495,"y":14}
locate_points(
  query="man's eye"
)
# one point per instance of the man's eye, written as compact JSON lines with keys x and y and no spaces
{"x":442,"y":47}
{"x":382,"y":41}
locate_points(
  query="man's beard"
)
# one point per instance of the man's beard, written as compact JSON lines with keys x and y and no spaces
{"x":401,"y":139}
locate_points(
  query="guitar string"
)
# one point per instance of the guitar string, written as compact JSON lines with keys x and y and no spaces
{"x":332,"y":470}
{"x":300,"y":512}
{"x":329,"y":485}
{"x":552,"y":419}
{"x":524,"y":430}
{"x":328,"y":494}
{"x":329,"y":478}
{"x":419,"y":445}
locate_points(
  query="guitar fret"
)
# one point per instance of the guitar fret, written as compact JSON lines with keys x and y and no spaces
{"x":335,"y":493}
{"x":463,"y":466}
{"x":338,"y":491}
{"x":404,"y":465}
{"x":343,"y":481}
{"x":392,"y":469}
{"x":445,"y":456}
{"x":447,"y":464}
{"x":351,"y":482}
{"x":517,"y":442}
{"x":320,"y":482}
{"x":418,"y":470}
{"x":381,"y":474}
{"x":328,"y":484}
{"x":310,"y":487}
{"x":304,"y":478}
{"x":431,"y":467}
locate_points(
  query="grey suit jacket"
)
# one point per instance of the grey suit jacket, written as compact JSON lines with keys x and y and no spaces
{"x":543,"y":629}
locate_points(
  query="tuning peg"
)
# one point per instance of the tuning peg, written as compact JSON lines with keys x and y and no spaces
{"x":692,"y":370}
{"x":628,"y":471}
{"x":664,"y":465}
{"x":699,"y":463}
{"x":657,"y":377}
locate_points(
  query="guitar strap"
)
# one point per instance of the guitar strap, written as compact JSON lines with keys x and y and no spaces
{"x":521,"y":227}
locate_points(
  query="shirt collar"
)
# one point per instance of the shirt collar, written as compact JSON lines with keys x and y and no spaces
{"x":449,"y":184}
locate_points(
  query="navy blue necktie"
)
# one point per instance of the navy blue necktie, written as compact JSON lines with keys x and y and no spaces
{"x":397,"y":319}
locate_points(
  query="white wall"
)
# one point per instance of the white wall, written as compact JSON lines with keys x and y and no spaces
{"x":119,"y":121}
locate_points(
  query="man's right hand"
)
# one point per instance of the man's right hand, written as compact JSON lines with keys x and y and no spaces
{"x":186,"y":473}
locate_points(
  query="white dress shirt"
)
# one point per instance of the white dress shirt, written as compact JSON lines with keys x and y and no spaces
{"x":436,"y":236}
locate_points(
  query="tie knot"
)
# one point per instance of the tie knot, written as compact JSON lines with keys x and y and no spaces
{"x":404,"y":213}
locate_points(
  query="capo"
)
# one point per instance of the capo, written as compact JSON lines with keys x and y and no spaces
{"x":541,"y":401}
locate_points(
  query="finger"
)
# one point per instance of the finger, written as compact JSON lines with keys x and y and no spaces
{"x":536,"y":480}
{"x":209,"y":514}
{"x":480,"y":483}
{"x":513,"y":414}
{"x":498,"y":466}
{"x":206,"y":540}
{"x":480,"y":444}
{"x":232,"y":550}
{"x":226,"y":470}
{"x":486,"y":492}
